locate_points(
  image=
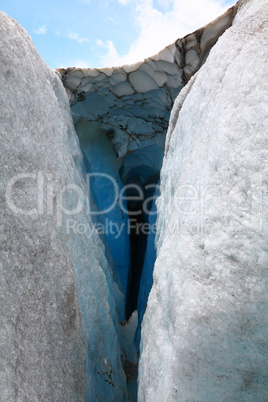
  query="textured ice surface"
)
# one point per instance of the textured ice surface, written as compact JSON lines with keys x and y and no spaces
{"x":204,"y":330}
{"x":61,"y":309}
{"x":145,"y":90}
{"x":142,"y":82}
{"x":123,"y":88}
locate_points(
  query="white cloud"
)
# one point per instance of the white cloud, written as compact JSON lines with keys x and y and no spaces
{"x":74,"y":36}
{"x":124,"y":2}
{"x":41,"y":30}
{"x":158,"y":29}
{"x":110,"y":54}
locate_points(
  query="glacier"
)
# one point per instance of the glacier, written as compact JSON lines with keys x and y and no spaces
{"x":119,"y":184}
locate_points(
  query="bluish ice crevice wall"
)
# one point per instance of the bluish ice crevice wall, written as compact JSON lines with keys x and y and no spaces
{"x":97,"y":291}
{"x":146,"y":281}
{"x":104,"y":184}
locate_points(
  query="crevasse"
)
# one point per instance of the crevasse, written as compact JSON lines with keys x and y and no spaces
{"x":121,"y":117}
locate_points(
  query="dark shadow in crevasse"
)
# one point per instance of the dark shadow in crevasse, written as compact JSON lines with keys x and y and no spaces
{"x":139,"y":202}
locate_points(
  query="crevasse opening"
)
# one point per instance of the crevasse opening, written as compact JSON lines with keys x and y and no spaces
{"x":123,"y":191}
{"x":140,"y":173}
{"x":122,"y":138}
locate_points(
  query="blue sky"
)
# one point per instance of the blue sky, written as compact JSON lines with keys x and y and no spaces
{"x":92,"y":33}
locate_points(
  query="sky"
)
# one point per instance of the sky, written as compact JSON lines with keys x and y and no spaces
{"x":102,"y":33}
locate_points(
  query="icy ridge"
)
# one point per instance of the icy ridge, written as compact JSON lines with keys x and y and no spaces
{"x":59,"y":338}
{"x":204,"y":330}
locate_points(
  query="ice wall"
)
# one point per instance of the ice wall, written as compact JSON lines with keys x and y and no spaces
{"x":204,"y":330}
{"x":61,"y":305}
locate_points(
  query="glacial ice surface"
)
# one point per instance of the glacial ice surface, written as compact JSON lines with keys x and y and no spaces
{"x":60,"y":333}
{"x":205,"y":327}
